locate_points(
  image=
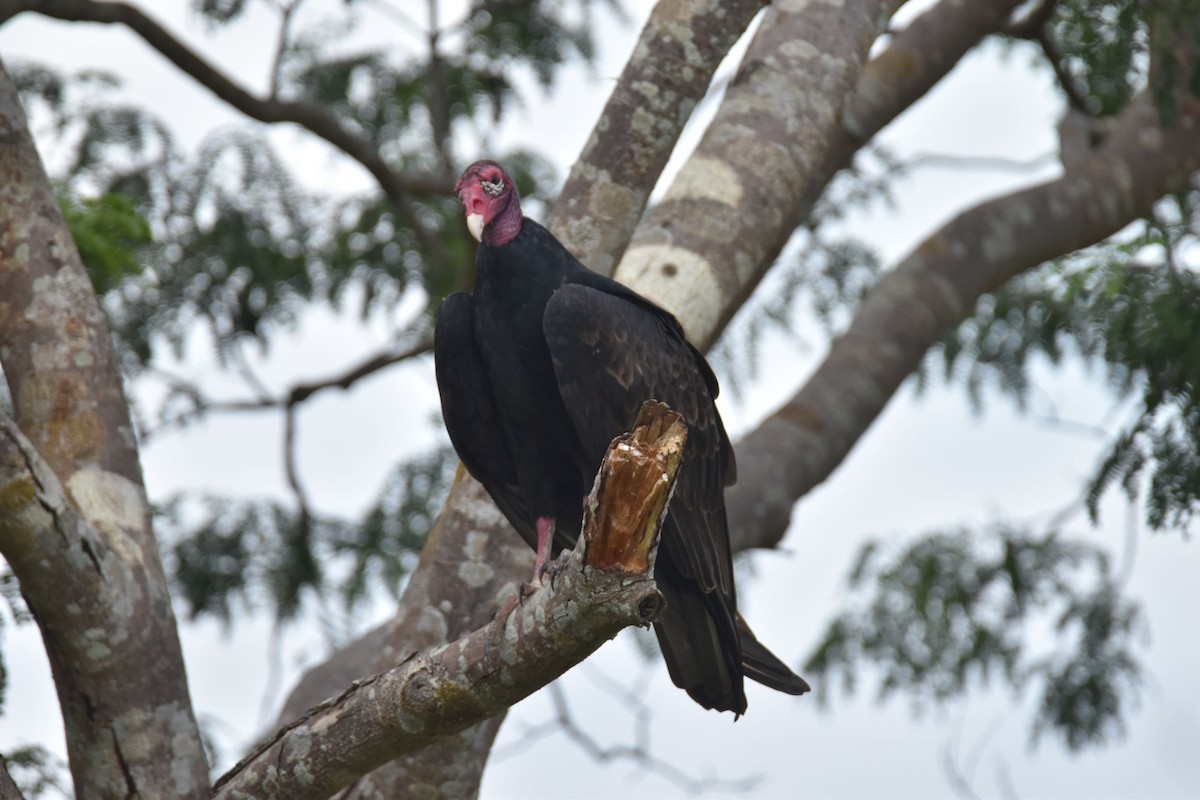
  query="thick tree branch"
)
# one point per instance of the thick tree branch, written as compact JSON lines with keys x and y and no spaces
{"x":737,"y":199}
{"x":795,"y":114}
{"x":911,"y":308}
{"x":398,"y":186}
{"x":74,"y":521}
{"x":668,"y":74}
{"x":915,"y":59}
{"x":471,"y":562}
{"x":129,"y":727}
{"x":604,"y":585}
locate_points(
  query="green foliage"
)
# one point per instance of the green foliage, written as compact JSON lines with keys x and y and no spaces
{"x":540,"y":33}
{"x":1104,"y":46}
{"x":956,"y":608}
{"x":218,"y":12}
{"x":230,"y":555}
{"x":10,"y":593}
{"x":110,"y":235}
{"x":384,"y":548}
{"x":1086,"y":692}
{"x":400,"y":104}
{"x":1110,"y":49}
{"x":239,"y":245}
{"x":1175,"y":32}
{"x":1132,"y":305}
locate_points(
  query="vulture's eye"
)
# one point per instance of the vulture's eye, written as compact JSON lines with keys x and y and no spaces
{"x":493,"y":185}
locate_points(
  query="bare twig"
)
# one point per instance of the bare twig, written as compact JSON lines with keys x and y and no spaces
{"x":639,"y":752}
{"x":1008,"y":789}
{"x":949,"y":161}
{"x":365,"y":368}
{"x":439,"y":103}
{"x":958,"y":782}
{"x":294,"y":396}
{"x":961,"y":772}
{"x":236,"y":354}
{"x":289,"y":464}
{"x":398,"y":186}
{"x":563,"y":722}
{"x":287,"y":12}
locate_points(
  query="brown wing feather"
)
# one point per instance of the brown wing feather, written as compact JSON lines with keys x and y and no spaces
{"x":611,"y":355}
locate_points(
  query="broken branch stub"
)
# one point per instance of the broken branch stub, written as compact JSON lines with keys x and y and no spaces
{"x":633,"y":488}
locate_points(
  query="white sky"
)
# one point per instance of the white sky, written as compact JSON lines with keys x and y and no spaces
{"x":927,"y":463}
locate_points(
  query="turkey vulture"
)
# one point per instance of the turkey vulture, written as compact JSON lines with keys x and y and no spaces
{"x":538,"y":371}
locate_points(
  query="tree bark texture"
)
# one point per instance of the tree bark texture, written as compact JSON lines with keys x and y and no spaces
{"x":667,"y":75}
{"x":74,"y":521}
{"x":8,"y":787}
{"x":728,"y":213}
{"x":605,"y":584}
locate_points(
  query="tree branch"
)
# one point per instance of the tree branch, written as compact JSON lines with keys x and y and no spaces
{"x":736,"y":201}
{"x":75,"y":526}
{"x":603,"y":585}
{"x":667,"y":76}
{"x":287,"y":13}
{"x":800,"y":444}
{"x":84,"y":583}
{"x":398,"y":186}
{"x":294,"y":396}
{"x":639,"y":752}
{"x":915,"y":59}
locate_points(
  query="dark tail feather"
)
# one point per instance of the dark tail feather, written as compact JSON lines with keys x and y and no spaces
{"x":762,"y":666}
{"x":701,"y":658}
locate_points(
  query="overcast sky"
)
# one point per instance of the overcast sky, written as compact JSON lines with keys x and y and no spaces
{"x":927,"y":463}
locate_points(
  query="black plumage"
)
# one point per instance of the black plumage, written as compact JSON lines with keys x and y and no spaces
{"x":538,"y":371}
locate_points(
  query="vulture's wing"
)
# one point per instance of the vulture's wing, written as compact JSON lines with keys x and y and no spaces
{"x":613,"y":352}
{"x":470,"y":413}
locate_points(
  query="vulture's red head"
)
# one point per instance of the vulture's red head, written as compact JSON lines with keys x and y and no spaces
{"x":491,"y":202}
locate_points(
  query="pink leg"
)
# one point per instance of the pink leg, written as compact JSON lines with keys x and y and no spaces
{"x":545,"y":532}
